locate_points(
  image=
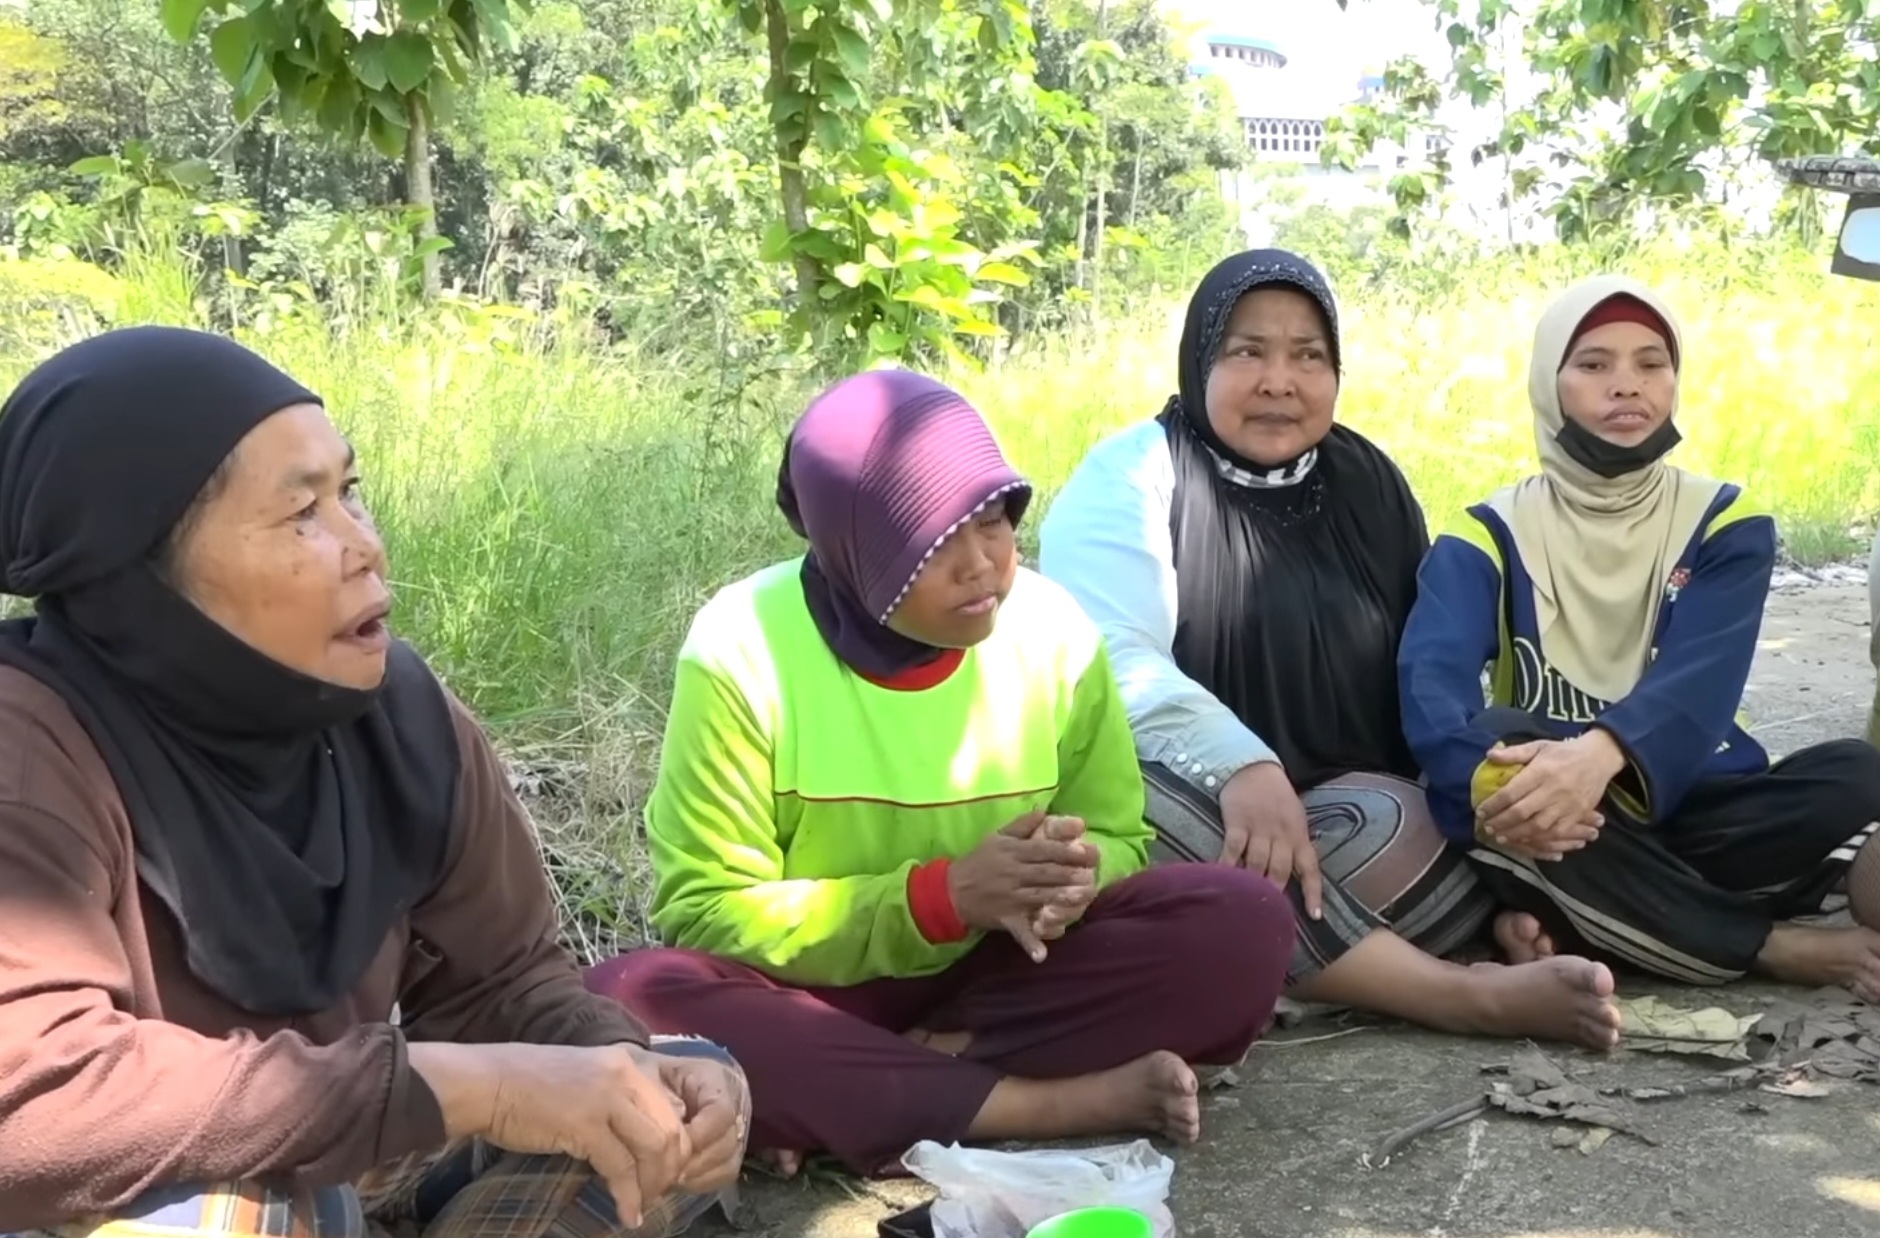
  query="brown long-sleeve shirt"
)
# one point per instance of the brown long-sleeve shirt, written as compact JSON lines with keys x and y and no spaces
{"x":119,"y":1071}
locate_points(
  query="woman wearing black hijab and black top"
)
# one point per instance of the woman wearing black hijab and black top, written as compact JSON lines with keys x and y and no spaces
{"x":1252,"y":565}
{"x":277,"y":950}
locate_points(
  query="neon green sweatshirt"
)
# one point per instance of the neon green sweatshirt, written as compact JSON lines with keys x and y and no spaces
{"x":795,"y":797}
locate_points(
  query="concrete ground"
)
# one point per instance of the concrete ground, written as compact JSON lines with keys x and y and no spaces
{"x":1282,"y":1151}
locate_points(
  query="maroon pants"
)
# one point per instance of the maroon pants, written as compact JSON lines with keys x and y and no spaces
{"x":1185,"y":957}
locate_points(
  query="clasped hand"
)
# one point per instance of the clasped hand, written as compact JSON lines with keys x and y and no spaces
{"x":1033,"y":879}
{"x":644,"y":1121}
{"x":1551,"y":807}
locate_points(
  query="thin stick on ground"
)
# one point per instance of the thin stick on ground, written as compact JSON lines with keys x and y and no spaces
{"x":1461,"y":1111}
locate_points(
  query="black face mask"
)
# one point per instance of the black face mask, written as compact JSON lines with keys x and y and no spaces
{"x":1609,"y":459}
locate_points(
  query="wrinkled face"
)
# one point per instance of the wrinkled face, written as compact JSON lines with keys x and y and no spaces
{"x":1272,"y":389}
{"x":955,"y":600}
{"x":283,"y":555}
{"x":1619,"y":383}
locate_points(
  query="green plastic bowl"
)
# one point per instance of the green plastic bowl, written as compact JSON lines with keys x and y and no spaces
{"x":1095,"y":1223}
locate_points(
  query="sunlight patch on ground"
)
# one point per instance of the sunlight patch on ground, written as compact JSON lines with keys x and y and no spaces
{"x":1861,"y":1192}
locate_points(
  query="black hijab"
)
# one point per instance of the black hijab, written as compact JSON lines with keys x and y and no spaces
{"x":284,"y":822}
{"x":1293,"y":580}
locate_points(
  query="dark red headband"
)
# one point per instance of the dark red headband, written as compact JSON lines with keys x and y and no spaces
{"x":1624,"y":308}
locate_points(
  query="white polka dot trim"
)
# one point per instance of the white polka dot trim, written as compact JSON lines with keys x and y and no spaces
{"x":934,"y":549}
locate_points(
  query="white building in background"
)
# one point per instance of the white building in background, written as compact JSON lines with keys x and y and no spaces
{"x":1283,"y":116}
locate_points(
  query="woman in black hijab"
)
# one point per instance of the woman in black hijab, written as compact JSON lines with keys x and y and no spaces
{"x":240,"y":824}
{"x":1252,"y":564}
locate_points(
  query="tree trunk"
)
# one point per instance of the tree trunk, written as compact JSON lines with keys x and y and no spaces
{"x":232,"y":257}
{"x":1135,"y":185}
{"x":1103,"y":184}
{"x":790,"y":183}
{"x":418,"y":188}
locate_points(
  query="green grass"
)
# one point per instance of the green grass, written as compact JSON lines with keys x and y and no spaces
{"x":556,"y":512}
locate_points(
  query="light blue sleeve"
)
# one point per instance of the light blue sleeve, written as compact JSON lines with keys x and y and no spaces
{"x":1106,"y":540}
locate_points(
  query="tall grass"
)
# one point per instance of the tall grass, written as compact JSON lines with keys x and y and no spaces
{"x":557,"y":510}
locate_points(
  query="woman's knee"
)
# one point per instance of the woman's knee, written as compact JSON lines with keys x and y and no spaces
{"x":1221,"y":918}
{"x":639,"y":978}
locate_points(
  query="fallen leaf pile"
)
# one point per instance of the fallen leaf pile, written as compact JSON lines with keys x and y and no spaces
{"x":1830,"y":1036}
{"x":1535,"y":1087}
{"x":1800,"y":1049}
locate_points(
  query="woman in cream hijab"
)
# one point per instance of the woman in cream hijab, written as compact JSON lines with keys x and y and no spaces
{"x":1613,"y":801}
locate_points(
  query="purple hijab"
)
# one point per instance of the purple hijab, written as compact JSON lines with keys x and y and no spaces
{"x":876,"y":474}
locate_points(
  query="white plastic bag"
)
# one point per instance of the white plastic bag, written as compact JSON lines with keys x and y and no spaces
{"x":986,"y":1194}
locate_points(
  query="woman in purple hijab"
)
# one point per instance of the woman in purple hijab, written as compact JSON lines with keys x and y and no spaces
{"x":897,"y":833}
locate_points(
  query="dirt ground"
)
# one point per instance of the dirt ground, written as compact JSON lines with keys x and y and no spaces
{"x":1282,"y":1151}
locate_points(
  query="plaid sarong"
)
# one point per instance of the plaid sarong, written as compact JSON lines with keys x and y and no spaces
{"x":469,"y":1189}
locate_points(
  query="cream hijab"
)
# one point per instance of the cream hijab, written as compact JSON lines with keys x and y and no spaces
{"x":1599,"y":549}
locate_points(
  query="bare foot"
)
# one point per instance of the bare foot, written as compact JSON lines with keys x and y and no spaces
{"x":1522,"y":938}
{"x":785,"y":1165}
{"x":1849,"y":957}
{"x":1157,"y":1094}
{"x":1560,"y":998}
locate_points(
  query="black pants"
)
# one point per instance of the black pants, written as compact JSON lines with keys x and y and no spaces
{"x":1693,"y":897}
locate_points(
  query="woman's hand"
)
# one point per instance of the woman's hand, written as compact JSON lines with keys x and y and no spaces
{"x":1011,"y":877}
{"x":1551,"y":807}
{"x":1056,"y":917}
{"x":598,"y":1105}
{"x":1264,"y":830}
{"x":715,"y":1102}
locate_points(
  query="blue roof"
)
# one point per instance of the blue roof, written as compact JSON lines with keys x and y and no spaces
{"x":1247,"y":40}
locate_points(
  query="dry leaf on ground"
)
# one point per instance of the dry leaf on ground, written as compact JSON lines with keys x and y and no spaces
{"x":1652,"y":1025}
{"x":1797,"y":1083}
{"x":1832,"y":1035}
{"x":1536,"y":1087}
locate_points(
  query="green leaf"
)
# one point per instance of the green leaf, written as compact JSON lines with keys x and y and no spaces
{"x":231,"y":45}
{"x":417,"y":12}
{"x":853,"y":49}
{"x":930,"y":298}
{"x":340,"y":106}
{"x":180,"y":17}
{"x":885,"y":341}
{"x":408,"y":60}
{"x":391,"y":106}
{"x":1002,"y":273}
{"x":775,"y":246}
{"x":496,"y":23}
{"x":850,"y":274}
{"x":95,"y":165}
{"x":841,"y":91}
{"x":191,"y":173}
{"x":389,"y":139}
{"x":830,"y":131}
{"x":440,"y":99}
{"x":369,"y":62}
